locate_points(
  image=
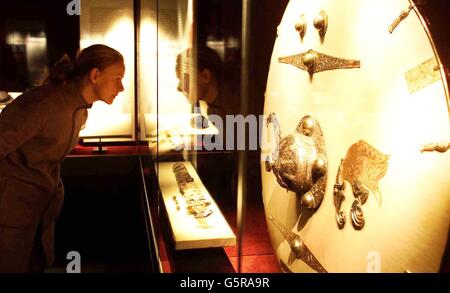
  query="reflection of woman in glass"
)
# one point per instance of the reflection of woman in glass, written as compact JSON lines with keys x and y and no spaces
{"x":215,"y":87}
{"x":214,"y":83}
{"x":37,"y":130}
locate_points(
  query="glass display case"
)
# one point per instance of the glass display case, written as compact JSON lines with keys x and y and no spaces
{"x":184,"y":42}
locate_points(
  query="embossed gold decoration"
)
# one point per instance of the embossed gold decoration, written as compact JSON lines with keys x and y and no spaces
{"x":300,"y":26}
{"x":363,"y":168}
{"x":422,"y":75}
{"x":361,"y":194}
{"x":400,"y":18}
{"x":299,"y":161}
{"x":314,"y":62}
{"x":321,"y":24}
{"x":338,"y":196}
{"x":365,"y":163}
{"x":298,"y":247}
{"x":441,"y":147}
{"x":357,"y":215}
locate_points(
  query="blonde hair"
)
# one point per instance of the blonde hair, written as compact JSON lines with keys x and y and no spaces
{"x":96,"y":56}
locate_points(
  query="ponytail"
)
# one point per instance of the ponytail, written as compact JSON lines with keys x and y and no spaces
{"x":63,"y":71}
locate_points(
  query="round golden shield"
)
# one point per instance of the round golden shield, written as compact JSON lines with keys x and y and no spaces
{"x":373,"y":81}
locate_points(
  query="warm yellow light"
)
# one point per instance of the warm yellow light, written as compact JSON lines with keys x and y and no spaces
{"x":14,"y":94}
{"x":159,"y":46}
{"x":116,"y":119}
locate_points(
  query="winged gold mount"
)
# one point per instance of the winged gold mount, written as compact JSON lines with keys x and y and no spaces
{"x":314,"y":62}
{"x":298,"y":246}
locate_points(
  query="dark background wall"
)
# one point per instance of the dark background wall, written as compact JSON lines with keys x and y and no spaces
{"x":437,"y":14}
{"x":33,"y":17}
{"x":62,"y":30}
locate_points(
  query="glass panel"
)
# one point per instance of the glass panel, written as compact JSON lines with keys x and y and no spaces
{"x":189,"y":73}
{"x":165,"y":30}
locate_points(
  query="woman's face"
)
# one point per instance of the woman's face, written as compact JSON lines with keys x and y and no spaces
{"x":109,"y":82}
{"x":185,"y":84}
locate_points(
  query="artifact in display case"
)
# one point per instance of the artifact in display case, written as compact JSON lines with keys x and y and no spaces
{"x":195,"y":202}
{"x":180,"y":131}
{"x":384,"y":127}
{"x":195,"y":219}
{"x":5,"y":98}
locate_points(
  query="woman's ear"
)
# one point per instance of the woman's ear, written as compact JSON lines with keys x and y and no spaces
{"x":205,"y":76}
{"x":93,"y":75}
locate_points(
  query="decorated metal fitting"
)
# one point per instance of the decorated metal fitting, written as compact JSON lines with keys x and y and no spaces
{"x":314,"y":62}
{"x":357,"y":215}
{"x":441,"y":147}
{"x":363,"y":167}
{"x":300,"y":26}
{"x":298,"y":247}
{"x":338,"y":197}
{"x":299,"y":162}
{"x":321,"y":24}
